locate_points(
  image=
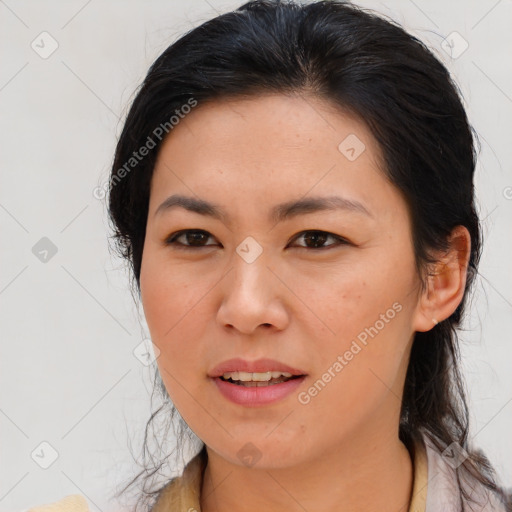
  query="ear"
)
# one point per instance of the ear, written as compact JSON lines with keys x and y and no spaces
{"x":446,"y":283}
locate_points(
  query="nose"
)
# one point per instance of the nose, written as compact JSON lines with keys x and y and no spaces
{"x":253,"y":297}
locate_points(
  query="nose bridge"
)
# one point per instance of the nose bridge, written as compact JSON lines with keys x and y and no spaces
{"x":250,"y":293}
{"x":250,"y":269}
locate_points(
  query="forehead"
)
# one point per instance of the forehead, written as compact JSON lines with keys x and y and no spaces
{"x":270,"y":146}
{"x":291,"y":120}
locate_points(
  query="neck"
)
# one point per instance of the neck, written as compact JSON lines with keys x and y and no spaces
{"x":359,"y":475}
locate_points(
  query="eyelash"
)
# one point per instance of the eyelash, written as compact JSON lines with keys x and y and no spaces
{"x":171,"y":240}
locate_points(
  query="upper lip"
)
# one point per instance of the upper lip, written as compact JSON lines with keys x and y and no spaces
{"x":258,"y":366}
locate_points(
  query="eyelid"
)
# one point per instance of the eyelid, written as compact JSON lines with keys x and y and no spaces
{"x":339,"y":240}
{"x":171,"y":239}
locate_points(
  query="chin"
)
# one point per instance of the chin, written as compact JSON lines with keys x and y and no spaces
{"x":264,"y":454}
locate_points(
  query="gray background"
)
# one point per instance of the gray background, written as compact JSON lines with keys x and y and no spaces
{"x":69,"y":376}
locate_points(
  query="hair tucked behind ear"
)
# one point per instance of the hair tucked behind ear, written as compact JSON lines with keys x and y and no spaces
{"x":371,"y":67}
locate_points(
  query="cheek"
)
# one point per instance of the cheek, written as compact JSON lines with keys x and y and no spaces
{"x":368,"y":315}
{"x":169,"y":295}
{"x":172,"y":307}
{"x":176,"y":306}
{"x":353,"y":299}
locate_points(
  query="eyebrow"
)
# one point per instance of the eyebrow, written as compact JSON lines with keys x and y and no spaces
{"x":278,"y":213}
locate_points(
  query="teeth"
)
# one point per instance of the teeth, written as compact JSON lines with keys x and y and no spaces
{"x":255,"y":377}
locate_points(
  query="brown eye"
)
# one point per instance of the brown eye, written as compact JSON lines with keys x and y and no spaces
{"x":197,"y":238}
{"x":190,"y":238}
{"x":317,"y":239}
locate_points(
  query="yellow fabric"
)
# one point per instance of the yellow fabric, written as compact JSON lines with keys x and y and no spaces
{"x":419,"y":486}
{"x":72,"y":503}
{"x":183,"y":493}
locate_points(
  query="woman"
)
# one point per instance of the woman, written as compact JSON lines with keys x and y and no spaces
{"x":293,"y":189}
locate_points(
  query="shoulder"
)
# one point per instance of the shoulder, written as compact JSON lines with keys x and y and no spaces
{"x":72,"y":503}
{"x":446,"y":478}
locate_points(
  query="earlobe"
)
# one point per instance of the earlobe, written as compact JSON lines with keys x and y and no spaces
{"x":446,"y":282}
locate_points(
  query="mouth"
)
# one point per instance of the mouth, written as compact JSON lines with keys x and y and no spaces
{"x":258,"y":393}
{"x":260,"y":370}
{"x":250,"y":380}
{"x":258,"y":382}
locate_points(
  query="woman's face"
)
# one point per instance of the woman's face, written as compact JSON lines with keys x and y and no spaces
{"x":248,"y":286}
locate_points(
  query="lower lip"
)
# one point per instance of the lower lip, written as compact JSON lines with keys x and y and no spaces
{"x":255,"y":396}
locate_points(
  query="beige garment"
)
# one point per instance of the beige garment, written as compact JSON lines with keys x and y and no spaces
{"x":183,"y":493}
{"x":72,"y":503}
{"x":420,"y":482}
